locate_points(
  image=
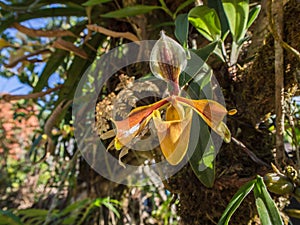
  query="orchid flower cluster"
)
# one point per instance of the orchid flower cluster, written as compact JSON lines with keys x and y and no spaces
{"x":172,"y":115}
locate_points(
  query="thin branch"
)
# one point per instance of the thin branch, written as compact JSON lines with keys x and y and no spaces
{"x":25,"y":57}
{"x":249,"y":152}
{"x":42,"y":33}
{"x":9,"y":97}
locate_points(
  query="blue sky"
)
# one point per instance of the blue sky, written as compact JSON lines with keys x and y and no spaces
{"x":12,"y":85}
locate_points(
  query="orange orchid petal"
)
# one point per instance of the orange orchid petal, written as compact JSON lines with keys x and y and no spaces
{"x":173,"y":135}
{"x":138,"y":118}
{"x":211,"y":112}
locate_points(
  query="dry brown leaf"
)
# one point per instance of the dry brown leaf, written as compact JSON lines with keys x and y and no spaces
{"x":69,"y":46}
{"x":102,"y":30}
{"x":42,"y":33}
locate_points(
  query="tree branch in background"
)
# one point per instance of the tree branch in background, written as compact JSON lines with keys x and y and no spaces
{"x":42,"y":33}
{"x":25,"y":57}
{"x":9,"y":97}
{"x":276,"y":9}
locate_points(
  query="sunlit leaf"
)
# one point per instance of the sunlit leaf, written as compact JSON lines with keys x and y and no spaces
{"x":217,"y":5}
{"x":253,"y":14}
{"x":237,"y":12}
{"x":206,"y":21}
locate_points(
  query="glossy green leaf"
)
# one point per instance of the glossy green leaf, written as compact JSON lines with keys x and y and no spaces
{"x":266,"y":207}
{"x":95,"y":2}
{"x":217,"y":5}
{"x":182,"y":29}
{"x":130,"y":11}
{"x":237,"y":12}
{"x":202,"y":159}
{"x":253,"y":14}
{"x":207,"y":50}
{"x":236,"y":201}
{"x":206,"y":21}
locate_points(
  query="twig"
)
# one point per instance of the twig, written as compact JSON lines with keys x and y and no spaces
{"x":249,"y":153}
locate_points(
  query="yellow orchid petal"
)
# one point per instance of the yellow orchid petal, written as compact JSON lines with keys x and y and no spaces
{"x":138,"y":118}
{"x":211,"y":112}
{"x":173,"y":135}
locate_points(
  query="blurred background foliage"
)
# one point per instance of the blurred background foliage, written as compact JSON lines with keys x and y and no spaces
{"x":49,"y":44}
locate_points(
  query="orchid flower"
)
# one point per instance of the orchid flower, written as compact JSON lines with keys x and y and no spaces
{"x":167,"y":60}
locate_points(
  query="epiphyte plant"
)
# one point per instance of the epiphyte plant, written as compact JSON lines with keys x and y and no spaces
{"x":172,"y":115}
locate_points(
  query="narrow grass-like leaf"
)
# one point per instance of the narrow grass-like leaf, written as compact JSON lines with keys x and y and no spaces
{"x":236,"y":201}
{"x":7,"y":217}
{"x":95,"y":2}
{"x":253,"y":14}
{"x":266,"y":207}
{"x":183,"y":5}
{"x":41,"y":13}
{"x":130,"y":11}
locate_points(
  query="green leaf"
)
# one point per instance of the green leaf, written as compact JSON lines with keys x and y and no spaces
{"x":75,"y":206}
{"x":130,"y":11}
{"x":183,"y":5}
{"x":41,"y":13}
{"x":237,"y":12}
{"x":236,"y":201}
{"x":95,"y":2}
{"x":7,"y":217}
{"x":206,"y":21}
{"x":266,"y":207}
{"x":78,"y":68}
{"x":202,"y":159}
{"x":253,"y":14}
{"x":206,"y":51}
{"x":217,"y":5}
{"x":182,"y":29}
{"x":56,"y":59}
{"x":52,"y":65}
